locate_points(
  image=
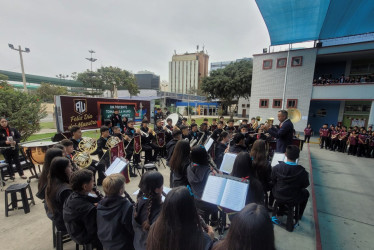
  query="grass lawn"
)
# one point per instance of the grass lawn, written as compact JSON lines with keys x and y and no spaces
{"x":47,"y":125}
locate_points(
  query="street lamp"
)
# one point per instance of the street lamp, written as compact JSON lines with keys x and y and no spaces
{"x":164,"y":86}
{"x":27,"y":50}
{"x":91,"y":59}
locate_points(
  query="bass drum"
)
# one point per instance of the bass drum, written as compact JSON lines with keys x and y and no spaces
{"x":176,"y":119}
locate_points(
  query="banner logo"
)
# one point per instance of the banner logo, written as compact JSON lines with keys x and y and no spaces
{"x":80,"y":106}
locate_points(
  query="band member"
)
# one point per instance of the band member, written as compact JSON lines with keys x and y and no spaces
{"x":147,"y":144}
{"x":230,"y":127}
{"x":324,"y":133}
{"x":160,"y":129}
{"x":9,"y":139}
{"x":371,"y":145}
{"x":343,"y":137}
{"x":158,"y":116}
{"x":166,"y":112}
{"x":184,"y":122}
{"x":116,"y":119}
{"x":244,"y":131}
{"x":284,"y":134}
{"x":362,"y":143}
{"x":76,"y":136}
{"x":244,"y":123}
{"x":193,"y":121}
{"x":307,"y":133}
{"x":352,"y":141}
{"x":117,"y":132}
{"x":253,"y":122}
{"x":205,"y":132}
{"x":222,"y":119}
{"x":216,"y":133}
{"x":129,"y":136}
{"x":329,"y":143}
{"x":195,"y":134}
{"x":104,"y":160}
{"x":177,"y":135}
{"x":69,"y":152}
{"x":108,"y":123}
{"x":169,"y":130}
{"x":185,"y":132}
{"x":221,"y":147}
{"x":214,"y":125}
{"x":125,"y":120}
{"x":334,"y":135}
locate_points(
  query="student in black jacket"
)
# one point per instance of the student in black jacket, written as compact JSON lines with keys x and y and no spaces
{"x":9,"y":139}
{"x":104,"y":161}
{"x":116,"y":119}
{"x":217,"y":131}
{"x":261,"y":164}
{"x":147,"y":143}
{"x":290,"y":180}
{"x":177,"y":135}
{"x":114,"y":215}
{"x":147,"y":207}
{"x":239,"y":144}
{"x":221,"y":147}
{"x":58,"y":189}
{"x":179,"y":163}
{"x":80,"y":209}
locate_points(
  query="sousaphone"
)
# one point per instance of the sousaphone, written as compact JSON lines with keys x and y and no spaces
{"x":294,"y":115}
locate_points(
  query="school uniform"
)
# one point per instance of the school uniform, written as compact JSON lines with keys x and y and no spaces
{"x":324,"y":135}
{"x":219,"y":153}
{"x":352,"y":144}
{"x":361,"y":148}
{"x":180,"y":179}
{"x":307,"y":134}
{"x":10,"y":154}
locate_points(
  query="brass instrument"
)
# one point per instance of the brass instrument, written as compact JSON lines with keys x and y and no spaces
{"x":168,"y":130}
{"x":255,"y":125}
{"x":294,"y":115}
{"x":112,"y":141}
{"x":201,"y":138}
{"x":86,"y":146}
{"x":270,"y":121}
{"x":193,"y":142}
{"x":144,"y":133}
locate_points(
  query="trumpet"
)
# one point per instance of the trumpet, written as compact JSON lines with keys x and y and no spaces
{"x":144,"y":133}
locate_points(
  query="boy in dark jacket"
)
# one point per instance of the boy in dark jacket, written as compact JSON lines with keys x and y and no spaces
{"x":80,"y":210}
{"x":114,"y":215}
{"x":290,"y":180}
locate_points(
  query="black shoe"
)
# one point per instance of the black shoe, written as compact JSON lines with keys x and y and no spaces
{"x":3,"y":183}
{"x":133,"y":175}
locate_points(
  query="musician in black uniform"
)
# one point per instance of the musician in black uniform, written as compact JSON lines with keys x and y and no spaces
{"x":239,"y":144}
{"x":195,"y":134}
{"x":205,"y":132}
{"x":177,"y":135}
{"x":169,"y":130}
{"x":160,"y":129}
{"x":213,"y":126}
{"x":108,"y":123}
{"x":230,"y":127}
{"x":185,"y":132}
{"x":116,"y":119}
{"x":129,"y":136}
{"x":216,"y":133}
{"x":147,"y":143}
{"x":158,"y":116}
{"x":9,"y":139}
{"x":104,"y":160}
{"x":221,"y":147}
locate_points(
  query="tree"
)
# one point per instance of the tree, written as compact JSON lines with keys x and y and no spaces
{"x":230,"y":83}
{"x":47,"y":91}
{"x":108,"y":78}
{"x":90,"y":79}
{"x":23,"y":111}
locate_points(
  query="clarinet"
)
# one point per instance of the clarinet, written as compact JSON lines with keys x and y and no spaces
{"x":129,"y":197}
{"x":203,"y":224}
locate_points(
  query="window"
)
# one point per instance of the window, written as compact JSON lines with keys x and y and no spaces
{"x":291,"y":103}
{"x":267,"y":64}
{"x":243,"y":105}
{"x":277,"y":103}
{"x":281,"y":62}
{"x":247,"y":105}
{"x":297,"y":61}
{"x":264,"y":103}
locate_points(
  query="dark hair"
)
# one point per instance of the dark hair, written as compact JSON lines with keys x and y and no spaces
{"x":56,"y":179}
{"x":183,"y":127}
{"x":74,"y":129}
{"x":180,"y":155}
{"x":169,"y":120}
{"x":238,"y":137}
{"x":178,"y":225}
{"x":221,"y":117}
{"x":50,"y":154}
{"x":103,"y":129}
{"x":243,"y":126}
{"x":148,"y":183}
{"x":115,"y":109}
{"x":284,"y":112}
{"x":199,"y":155}
{"x":231,"y":120}
{"x":115,"y":128}
{"x":251,"y":228}
{"x":59,"y":146}
{"x":80,"y":177}
{"x":158,"y":120}
{"x":176,"y":133}
{"x":206,"y":119}
{"x":243,"y":166}
{"x":66,"y":143}
{"x":107,"y":122}
{"x":193,"y":125}
{"x":259,"y":158}
{"x":220,"y":122}
{"x":145,"y":122}
{"x":223,"y":135}
{"x":292,"y":152}
{"x":245,"y":120}
{"x":214,"y":119}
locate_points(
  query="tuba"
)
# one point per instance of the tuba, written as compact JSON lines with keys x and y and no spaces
{"x":86,"y":146}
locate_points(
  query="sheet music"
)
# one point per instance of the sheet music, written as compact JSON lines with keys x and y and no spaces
{"x":235,"y":195}
{"x":213,"y":190}
{"x":209,"y":144}
{"x":277,"y":158}
{"x":228,"y":163}
{"x":166,"y":190}
{"x":116,"y":167}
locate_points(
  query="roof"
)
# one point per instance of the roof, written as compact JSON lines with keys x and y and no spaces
{"x":293,"y":21}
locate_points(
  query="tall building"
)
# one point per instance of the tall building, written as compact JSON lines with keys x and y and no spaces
{"x":186,"y":71}
{"x":147,"y":80}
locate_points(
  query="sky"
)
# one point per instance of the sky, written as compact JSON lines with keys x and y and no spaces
{"x":133,"y":35}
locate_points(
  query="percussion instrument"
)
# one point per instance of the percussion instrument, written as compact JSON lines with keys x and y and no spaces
{"x":36,"y":150}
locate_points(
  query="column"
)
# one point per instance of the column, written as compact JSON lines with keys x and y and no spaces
{"x":371,"y":115}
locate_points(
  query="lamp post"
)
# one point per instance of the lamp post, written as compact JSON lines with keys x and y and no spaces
{"x":163,"y":85}
{"x":27,"y":50}
{"x":91,"y":59}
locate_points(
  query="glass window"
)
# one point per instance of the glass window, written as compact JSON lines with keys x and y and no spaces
{"x":267,"y":64}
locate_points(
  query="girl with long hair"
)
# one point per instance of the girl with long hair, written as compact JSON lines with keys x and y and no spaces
{"x":178,"y":225}
{"x":261,"y":164}
{"x":221,"y":146}
{"x":179,"y":162}
{"x":43,"y":178}
{"x":58,"y":189}
{"x":147,"y":207}
{"x":251,"y":229}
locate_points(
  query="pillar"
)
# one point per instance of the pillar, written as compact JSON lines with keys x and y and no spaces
{"x":371,"y":115}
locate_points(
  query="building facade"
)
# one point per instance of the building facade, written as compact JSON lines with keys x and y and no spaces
{"x":222,"y":65}
{"x":186,"y":72}
{"x":327,"y":84}
{"x":147,"y":80}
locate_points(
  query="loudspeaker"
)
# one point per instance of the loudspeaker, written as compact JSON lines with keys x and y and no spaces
{"x":319,"y":45}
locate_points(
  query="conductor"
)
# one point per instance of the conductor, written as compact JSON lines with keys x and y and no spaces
{"x":284,"y":133}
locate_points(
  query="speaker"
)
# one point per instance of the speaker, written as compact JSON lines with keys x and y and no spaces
{"x":319,"y":45}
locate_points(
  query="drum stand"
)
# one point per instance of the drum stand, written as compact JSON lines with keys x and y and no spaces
{"x":29,"y":161}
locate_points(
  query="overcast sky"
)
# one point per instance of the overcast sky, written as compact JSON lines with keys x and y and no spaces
{"x":134,"y":35}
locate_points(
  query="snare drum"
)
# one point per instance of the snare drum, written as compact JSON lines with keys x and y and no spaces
{"x":36,"y":150}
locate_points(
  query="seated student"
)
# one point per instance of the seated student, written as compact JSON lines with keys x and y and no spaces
{"x":194,"y":133}
{"x":221,"y":147}
{"x":179,"y":163}
{"x":108,"y":123}
{"x":147,"y":207}
{"x":230,"y":127}
{"x":50,"y":154}
{"x":239,"y":144}
{"x":290,"y":180}
{"x":129,"y":136}
{"x":222,"y":119}
{"x":160,"y":129}
{"x":76,"y":136}
{"x":58,"y":189}
{"x":250,"y":229}
{"x":243,"y":168}
{"x":104,"y":161}
{"x":184,"y":121}
{"x":69,"y":150}
{"x":117,"y":132}
{"x":214,"y":125}
{"x":197,"y":175}
{"x":80,"y":209}
{"x":217,"y":131}
{"x":177,"y":135}
{"x":114,"y":215}
{"x":178,"y":225}
{"x":147,"y":143}
{"x":205,"y":132}
{"x":185,"y":133}
{"x":261,"y":164}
